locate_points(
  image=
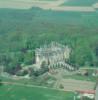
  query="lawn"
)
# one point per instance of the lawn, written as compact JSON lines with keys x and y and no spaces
{"x":83,"y":77}
{"x":13,"y":92}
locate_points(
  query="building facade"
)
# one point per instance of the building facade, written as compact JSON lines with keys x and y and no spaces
{"x":53,"y":55}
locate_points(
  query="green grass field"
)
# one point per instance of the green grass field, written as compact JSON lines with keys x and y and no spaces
{"x":84,"y":78}
{"x":12,"y":92}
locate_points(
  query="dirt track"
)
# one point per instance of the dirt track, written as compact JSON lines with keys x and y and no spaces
{"x":53,"y":5}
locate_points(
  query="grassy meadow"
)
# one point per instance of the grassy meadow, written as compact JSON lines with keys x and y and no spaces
{"x":13,"y":92}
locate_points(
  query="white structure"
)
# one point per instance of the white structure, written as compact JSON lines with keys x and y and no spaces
{"x":53,"y":54}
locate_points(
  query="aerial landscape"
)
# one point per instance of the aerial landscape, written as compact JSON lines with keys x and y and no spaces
{"x":48,"y":49}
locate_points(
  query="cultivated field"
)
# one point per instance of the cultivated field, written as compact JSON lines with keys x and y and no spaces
{"x":58,"y":5}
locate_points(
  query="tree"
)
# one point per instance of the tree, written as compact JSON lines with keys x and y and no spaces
{"x":29,"y":57}
{"x":1,"y":82}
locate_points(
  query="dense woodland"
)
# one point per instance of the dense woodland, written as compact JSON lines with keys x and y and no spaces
{"x":21,"y":31}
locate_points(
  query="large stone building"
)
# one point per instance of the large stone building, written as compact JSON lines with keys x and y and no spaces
{"x":53,"y":55}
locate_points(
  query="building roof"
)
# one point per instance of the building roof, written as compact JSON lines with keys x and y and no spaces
{"x":87,"y":91}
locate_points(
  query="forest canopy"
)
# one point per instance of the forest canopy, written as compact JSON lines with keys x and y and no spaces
{"x":21,"y":31}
